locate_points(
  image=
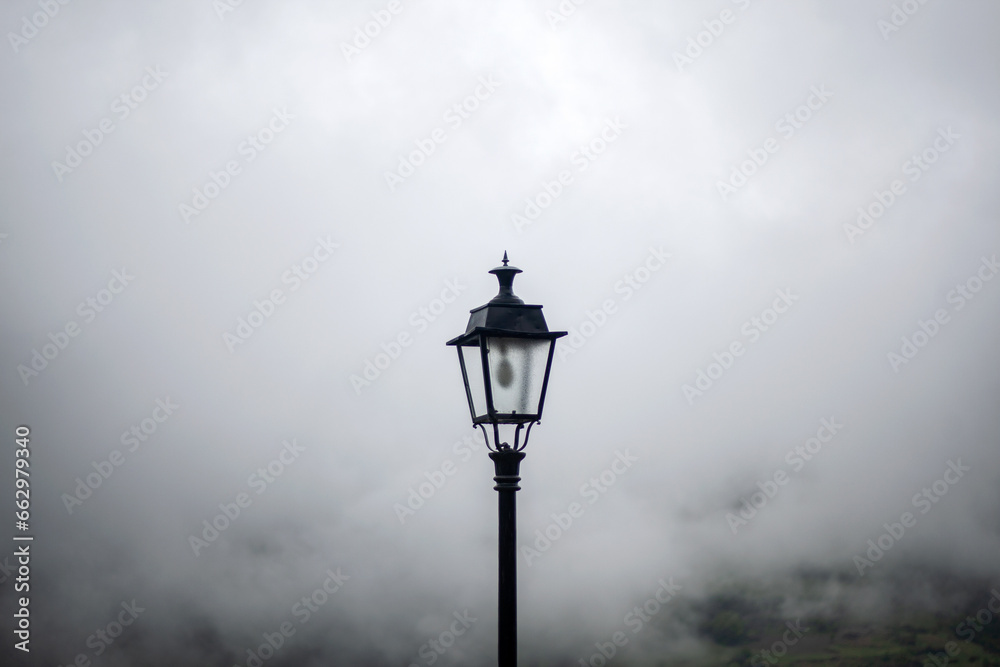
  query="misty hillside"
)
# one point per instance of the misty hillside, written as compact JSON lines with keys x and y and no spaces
{"x":823,"y":618}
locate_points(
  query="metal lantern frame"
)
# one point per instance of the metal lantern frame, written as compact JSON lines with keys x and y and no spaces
{"x":506,"y":316}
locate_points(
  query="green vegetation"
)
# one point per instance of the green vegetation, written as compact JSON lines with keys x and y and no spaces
{"x":829,"y":619}
{"x":726,"y":628}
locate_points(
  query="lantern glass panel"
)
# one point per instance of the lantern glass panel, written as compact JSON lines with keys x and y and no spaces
{"x":517,"y":373}
{"x":472,"y":362}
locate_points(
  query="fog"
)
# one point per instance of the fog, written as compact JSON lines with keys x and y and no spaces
{"x":236,"y":236}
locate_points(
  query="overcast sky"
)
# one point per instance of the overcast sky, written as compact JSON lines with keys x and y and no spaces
{"x":234,"y":240}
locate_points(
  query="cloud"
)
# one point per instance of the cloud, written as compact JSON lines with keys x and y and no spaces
{"x":191,"y":102}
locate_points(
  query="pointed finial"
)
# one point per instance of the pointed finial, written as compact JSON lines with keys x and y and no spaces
{"x":505,"y":275}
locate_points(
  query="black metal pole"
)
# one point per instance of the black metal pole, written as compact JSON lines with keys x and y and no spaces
{"x":507,"y":462}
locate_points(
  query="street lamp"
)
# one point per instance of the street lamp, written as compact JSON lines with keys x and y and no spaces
{"x":505,"y":355}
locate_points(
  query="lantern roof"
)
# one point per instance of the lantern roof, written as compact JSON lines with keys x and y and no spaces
{"x":506,"y":314}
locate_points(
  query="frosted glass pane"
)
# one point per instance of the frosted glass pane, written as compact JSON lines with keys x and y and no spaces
{"x":517,"y":370}
{"x":473,"y":361}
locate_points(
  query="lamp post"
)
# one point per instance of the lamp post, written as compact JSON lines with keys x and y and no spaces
{"x":505,"y":355}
